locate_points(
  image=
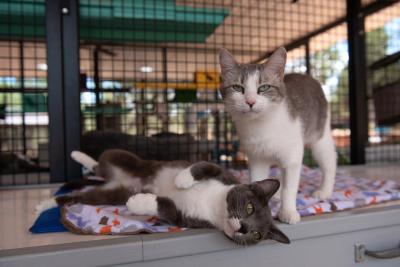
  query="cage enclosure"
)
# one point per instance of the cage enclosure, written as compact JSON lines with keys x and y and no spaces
{"x":144,"y":75}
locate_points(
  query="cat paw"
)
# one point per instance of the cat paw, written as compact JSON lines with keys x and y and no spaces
{"x":142,"y":204}
{"x":289,"y":216}
{"x":322,"y":194}
{"x":184,"y":179}
{"x":45,"y":205}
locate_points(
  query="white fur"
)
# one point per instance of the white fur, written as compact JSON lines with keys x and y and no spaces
{"x":269,"y":135}
{"x":84,"y":159}
{"x":121,"y":178}
{"x":45,"y":205}
{"x":184,"y":179}
{"x":143,"y":204}
{"x":250,"y":93}
{"x":205,"y":200}
{"x":232,"y":227}
{"x":324,"y":154}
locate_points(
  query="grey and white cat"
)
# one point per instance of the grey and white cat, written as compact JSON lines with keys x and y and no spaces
{"x":276,"y":115}
{"x":188,"y":195}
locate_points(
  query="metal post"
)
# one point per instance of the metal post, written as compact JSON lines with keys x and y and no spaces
{"x":165,"y":125}
{"x":96,"y":79}
{"x":72,"y":114}
{"x":22,"y":78}
{"x":63,"y":87}
{"x":55,"y":91}
{"x":307,"y":57}
{"x":357,"y":82}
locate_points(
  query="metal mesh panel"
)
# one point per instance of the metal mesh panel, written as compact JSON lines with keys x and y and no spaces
{"x":150,"y":76}
{"x":23,"y":94}
{"x":383,"y":54}
{"x":161,"y":89}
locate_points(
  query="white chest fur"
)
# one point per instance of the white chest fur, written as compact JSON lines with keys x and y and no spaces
{"x":270,"y":137}
{"x":205,"y":200}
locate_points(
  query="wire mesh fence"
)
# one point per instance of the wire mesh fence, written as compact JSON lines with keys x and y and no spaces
{"x":149,"y":76}
{"x":383,"y":54}
{"x":23,"y":94}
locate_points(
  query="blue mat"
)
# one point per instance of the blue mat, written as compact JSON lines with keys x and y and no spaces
{"x":49,"y":220}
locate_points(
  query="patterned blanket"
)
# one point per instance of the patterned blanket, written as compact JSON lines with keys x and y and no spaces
{"x":349,"y":192}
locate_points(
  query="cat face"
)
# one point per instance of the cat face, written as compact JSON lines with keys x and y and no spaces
{"x":249,"y":218}
{"x":251,"y":90}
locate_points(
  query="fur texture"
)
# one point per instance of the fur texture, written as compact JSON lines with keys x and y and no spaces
{"x":275,"y":117}
{"x":189,"y":195}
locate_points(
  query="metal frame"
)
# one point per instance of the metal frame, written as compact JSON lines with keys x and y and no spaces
{"x":62,"y":18}
{"x":72,"y":113}
{"x":63,"y":87}
{"x":357,"y":82}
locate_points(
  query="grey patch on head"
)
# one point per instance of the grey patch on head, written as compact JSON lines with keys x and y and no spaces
{"x":205,"y":170}
{"x":260,"y":220}
{"x":303,"y":95}
{"x":269,"y":72}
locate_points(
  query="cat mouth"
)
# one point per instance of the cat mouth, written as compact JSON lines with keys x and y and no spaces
{"x":232,"y":227}
{"x":250,"y":111}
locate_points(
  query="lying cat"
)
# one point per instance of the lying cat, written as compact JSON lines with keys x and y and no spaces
{"x":198,"y":195}
{"x":276,"y":115}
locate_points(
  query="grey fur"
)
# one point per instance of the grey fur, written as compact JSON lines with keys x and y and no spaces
{"x":306,"y":99}
{"x":168,"y":211}
{"x":205,"y":170}
{"x":114,"y":162}
{"x":303,"y":95}
{"x":258,"y":194}
{"x":98,"y":196}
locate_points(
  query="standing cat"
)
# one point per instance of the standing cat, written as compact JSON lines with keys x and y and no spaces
{"x":198,"y":195}
{"x":276,"y":115}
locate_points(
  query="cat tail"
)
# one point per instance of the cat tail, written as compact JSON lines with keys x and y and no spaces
{"x":84,"y":159}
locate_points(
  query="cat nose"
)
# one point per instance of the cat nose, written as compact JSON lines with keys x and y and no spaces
{"x":250,"y":102}
{"x":243,"y":229}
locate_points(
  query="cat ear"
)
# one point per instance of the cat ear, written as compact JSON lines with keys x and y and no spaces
{"x":269,"y":187}
{"x":277,"y":235}
{"x":228,"y":64}
{"x":276,"y":63}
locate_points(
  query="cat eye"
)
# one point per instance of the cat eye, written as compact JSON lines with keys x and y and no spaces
{"x":249,"y":208}
{"x":256,"y":235}
{"x":263,"y":88}
{"x":238,"y":88}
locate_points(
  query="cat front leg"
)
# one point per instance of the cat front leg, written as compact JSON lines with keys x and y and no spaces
{"x":165,"y":209}
{"x":259,"y":168}
{"x":291,"y":177}
{"x":203,"y":171}
{"x":184,"y":179}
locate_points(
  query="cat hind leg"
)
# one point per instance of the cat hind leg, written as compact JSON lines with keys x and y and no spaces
{"x":324,"y":154}
{"x":152,"y":205}
{"x":143,"y":204}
